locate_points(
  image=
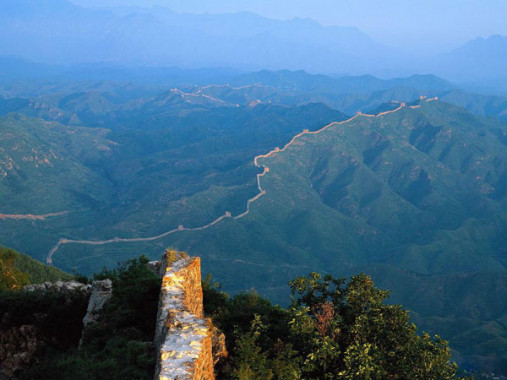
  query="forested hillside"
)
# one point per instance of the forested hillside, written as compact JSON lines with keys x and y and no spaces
{"x":96,"y":173}
{"x":17,"y":270}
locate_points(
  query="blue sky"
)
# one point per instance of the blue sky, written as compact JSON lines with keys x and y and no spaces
{"x":429,"y":25}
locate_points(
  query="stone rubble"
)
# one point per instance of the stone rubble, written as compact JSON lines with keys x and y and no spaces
{"x":17,"y":347}
{"x":65,"y":287}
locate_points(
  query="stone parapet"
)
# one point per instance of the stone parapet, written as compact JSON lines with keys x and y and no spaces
{"x":67,"y":287}
{"x":183,"y":339}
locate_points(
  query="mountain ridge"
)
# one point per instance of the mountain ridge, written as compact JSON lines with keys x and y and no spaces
{"x":337,"y":205}
{"x":227,"y":214}
{"x":419,"y":187}
{"x":156,"y":37}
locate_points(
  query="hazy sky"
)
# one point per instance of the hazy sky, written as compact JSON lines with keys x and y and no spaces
{"x":429,"y":24}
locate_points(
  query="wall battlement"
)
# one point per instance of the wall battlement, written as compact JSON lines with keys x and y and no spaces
{"x":183,"y":338}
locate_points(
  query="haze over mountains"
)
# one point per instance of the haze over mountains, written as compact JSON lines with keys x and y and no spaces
{"x":418,"y":194}
{"x":64,"y":33}
{"x":124,"y":130}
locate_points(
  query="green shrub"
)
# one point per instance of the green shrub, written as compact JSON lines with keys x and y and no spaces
{"x":119,"y":345}
{"x":59,"y":317}
{"x":332,"y":330}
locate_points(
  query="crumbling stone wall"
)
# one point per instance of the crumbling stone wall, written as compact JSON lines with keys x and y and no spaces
{"x":20,"y":340}
{"x":101,"y":293}
{"x":183,"y":339}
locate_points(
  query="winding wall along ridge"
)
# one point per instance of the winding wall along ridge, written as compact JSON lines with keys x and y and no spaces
{"x":227,"y":214}
{"x":32,"y":216}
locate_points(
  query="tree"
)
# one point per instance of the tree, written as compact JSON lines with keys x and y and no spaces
{"x":348,"y":332}
{"x":332,"y":330}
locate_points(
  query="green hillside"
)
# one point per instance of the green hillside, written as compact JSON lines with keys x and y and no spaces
{"x":93,"y":183}
{"x":29,"y":270}
{"x":49,"y":180}
{"x":415,"y":197}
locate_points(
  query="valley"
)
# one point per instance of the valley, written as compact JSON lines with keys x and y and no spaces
{"x":266,"y":184}
{"x":227,"y":214}
{"x":334,"y":147}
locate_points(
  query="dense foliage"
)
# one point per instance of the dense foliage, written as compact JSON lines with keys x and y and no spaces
{"x":58,"y":316}
{"x":332,"y":330}
{"x":119,"y":346}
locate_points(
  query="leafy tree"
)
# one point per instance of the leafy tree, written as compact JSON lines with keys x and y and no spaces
{"x":134,"y":304}
{"x":347,"y":331}
{"x":332,"y":330}
{"x":215,"y":300}
{"x":251,"y":362}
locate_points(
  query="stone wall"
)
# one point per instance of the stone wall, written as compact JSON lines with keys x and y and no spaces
{"x":20,"y":340}
{"x":101,"y":293}
{"x":187,"y":344}
{"x":183,"y":339}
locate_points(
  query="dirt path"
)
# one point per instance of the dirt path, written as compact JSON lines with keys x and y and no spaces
{"x":201,"y":94}
{"x":32,"y":216}
{"x":49,"y":258}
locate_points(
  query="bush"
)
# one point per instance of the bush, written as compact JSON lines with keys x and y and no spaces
{"x":58,"y":317}
{"x":119,"y":345}
{"x":332,"y":330}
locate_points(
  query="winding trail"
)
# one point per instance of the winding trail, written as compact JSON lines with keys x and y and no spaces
{"x":32,"y":216}
{"x":203,"y":95}
{"x":227,"y":214}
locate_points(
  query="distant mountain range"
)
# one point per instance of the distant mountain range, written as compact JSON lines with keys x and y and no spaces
{"x":481,"y":60}
{"x":101,"y":90}
{"x":60,"y":32}
{"x":416,"y":197}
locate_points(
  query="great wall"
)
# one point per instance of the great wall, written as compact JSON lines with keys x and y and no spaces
{"x":32,"y":216}
{"x":186,"y":344}
{"x":227,"y":214}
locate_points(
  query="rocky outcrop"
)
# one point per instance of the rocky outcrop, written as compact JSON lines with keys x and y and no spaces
{"x":183,"y":338}
{"x":102,"y":291}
